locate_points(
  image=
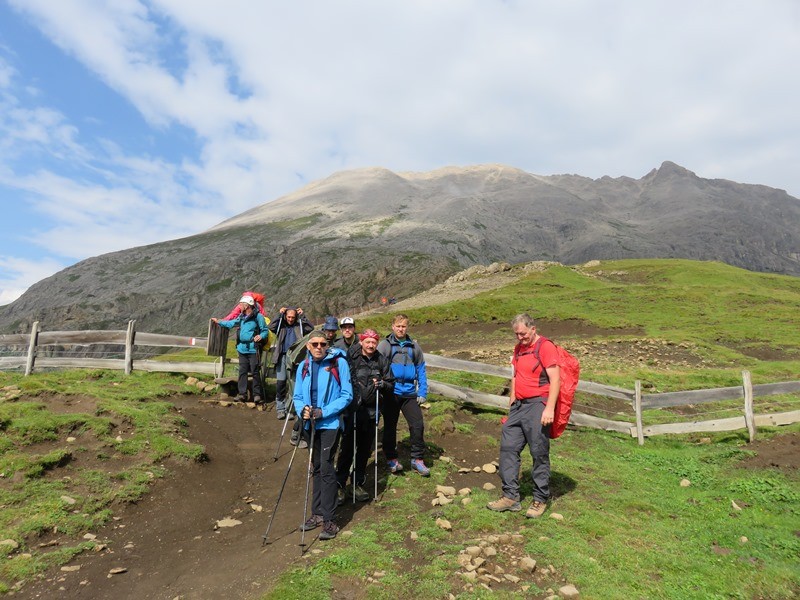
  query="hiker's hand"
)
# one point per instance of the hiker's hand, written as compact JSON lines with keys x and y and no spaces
{"x":282,"y":310}
{"x":420,"y":400}
{"x":215,"y":319}
{"x":299,"y":312}
{"x":316,"y":413}
{"x":306,"y":412}
{"x":548,"y":415}
{"x":256,"y":338}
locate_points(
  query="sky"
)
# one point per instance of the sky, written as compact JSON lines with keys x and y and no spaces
{"x":131,"y":122}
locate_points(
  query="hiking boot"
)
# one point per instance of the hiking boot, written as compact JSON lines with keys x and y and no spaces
{"x":339,"y":496}
{"x":419,"y":466}
{"x":313,"y":522}
{"x":504,"y":504}
{"x":362,"y":495}
{"x":257,"y":399}
{"x":240,"y":398}
{"x":536,"y":509}
{"x":302,"y":444}
{"x":290,"y":416}
{"x":329,"y":531}
{"x":294,"y":438}
{"x":281,"y":414}
{"x":394,"y":465}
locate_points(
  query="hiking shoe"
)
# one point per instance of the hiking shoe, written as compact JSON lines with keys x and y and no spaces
{"x":536,"y":509}
{"x":394,"y":465}
{"x":362,"y":495}
{"x":281,"y":415}
{"x":419,"y":466}
{"x":504,"y":504}
{"x":240,"y":398}
{"x":294,"y":438}
{"x":329,"y":531}
{"x":313,"y":522}
{"x":339,"y":496}
{"x":257,"y":399}
{"x":290,"y":416}
{"x":302,"y":444}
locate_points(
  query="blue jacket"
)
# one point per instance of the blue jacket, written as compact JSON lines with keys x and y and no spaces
{"x":333,"y":396}
{"x":408,"y":366}
{"x":249,"y":327}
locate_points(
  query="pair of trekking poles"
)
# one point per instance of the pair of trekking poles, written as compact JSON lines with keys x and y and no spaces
{"x":265,"y":537}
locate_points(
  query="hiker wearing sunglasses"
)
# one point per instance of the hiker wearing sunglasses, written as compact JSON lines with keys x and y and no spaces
{"x":322,"y":392}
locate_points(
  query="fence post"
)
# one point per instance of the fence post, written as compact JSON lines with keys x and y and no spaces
{"x":637,"y":406}
{"x":32,"y":343}
{"x":129,"y":337}
{"x":749,"y":417}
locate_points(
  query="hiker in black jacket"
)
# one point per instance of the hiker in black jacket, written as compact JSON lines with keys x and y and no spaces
{"x":371,"y":375}
{"x":290,"y":326}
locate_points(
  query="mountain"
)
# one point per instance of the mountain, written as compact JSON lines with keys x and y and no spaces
{"x":343,"y":242}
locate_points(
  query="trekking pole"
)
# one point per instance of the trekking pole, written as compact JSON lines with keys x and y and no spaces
{"x":283,"y":431}
{"x":308,"y":482}
{"x":280,"y":494}
{"x":353,"y":472}
{"x":377,"y":416}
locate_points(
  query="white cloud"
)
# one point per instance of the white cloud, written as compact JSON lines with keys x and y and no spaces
{"x":18,"y":274}
{"x":281,"y":93}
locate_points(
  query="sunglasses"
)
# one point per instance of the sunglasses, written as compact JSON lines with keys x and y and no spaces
{"x":318,"y":344}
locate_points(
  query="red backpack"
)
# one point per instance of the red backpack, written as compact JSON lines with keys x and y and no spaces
{"x":570,"y":373}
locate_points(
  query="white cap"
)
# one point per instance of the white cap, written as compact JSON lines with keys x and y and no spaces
{"x":347,"y":321}
{"x":248,"y":300}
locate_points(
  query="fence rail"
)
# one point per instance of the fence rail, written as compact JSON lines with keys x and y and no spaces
{"x":216,"y":345}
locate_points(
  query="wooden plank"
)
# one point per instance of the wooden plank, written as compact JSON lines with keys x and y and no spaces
{"x":129,"y":339}
{"x":12,"y":362}
{"x":217,"y":339}
{"x":730,"y":424}
{"x":775,"y":419}
{"x":32,"y":348}
{"x":15,"y":339}
{"x":81,"y":363}
{"x":50,"y":338}
{"x":468,"y":395}
{"x":773,"y":389}
{"x":600,"y":389}
{"x":747,"y":385}
{"x":584,"y":420}
{"x":163,"y":366}
{"x":455,"y":364}
{"x":637,"y":406}
{"x":180,"y":341}
{"x":667,"y":399}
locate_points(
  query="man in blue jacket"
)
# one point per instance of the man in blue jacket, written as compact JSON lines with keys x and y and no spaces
{"x":252,"y":329}
{"x":410,"y":391}
{"x":322,"y":392}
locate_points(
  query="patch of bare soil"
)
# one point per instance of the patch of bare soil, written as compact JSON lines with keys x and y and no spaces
{"x":780,"y":452}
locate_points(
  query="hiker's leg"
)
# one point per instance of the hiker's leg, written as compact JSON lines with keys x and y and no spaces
{"x":345,"y":459}
{"x":255,"y":369}
{"x":244,"y":368}
{"x":538,"y":438}
{"x":391,"y":412}
{"x":280,"y":383}
{"x":512,"y":441}
{"x":328,"y":439}
{"x":416,"y":426}
{"x":365,"y":438}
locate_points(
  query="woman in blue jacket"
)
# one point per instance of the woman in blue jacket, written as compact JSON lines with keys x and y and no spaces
{"x":252,"y":329}
{"x":322,"y":391}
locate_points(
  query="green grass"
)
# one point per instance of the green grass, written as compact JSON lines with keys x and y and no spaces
{"x":127,"y":434}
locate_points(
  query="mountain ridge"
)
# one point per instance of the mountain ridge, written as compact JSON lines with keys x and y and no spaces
{"x":342,"y":242}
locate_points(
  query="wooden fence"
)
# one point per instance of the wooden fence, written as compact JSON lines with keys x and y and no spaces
{"x":638,"y":401}
{"x":216,"y":345}
{"x":129,"y":338}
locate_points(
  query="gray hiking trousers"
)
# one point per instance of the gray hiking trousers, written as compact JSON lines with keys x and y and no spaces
{"x":524,"y":426}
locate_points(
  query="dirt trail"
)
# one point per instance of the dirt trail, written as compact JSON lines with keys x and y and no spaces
{"x":167,"y":540}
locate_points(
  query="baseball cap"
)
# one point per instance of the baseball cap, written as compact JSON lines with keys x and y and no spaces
{"x":347,"y":321}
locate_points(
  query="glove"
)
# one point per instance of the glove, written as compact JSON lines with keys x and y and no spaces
{"x":316,"y":413}
{"x":311,"y":413}
{"x":421,"y":400}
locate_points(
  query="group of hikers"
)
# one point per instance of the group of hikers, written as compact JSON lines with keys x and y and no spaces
{"x":340,"y":385}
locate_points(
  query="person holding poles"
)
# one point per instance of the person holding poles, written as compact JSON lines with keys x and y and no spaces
{"x":322,"y":392}
{"x":372,"y":379}
{"x":534,"y":392}
{"x":252,"y":329}
{"x":290,"y":326}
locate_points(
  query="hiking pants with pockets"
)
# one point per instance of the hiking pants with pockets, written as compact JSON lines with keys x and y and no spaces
{"x":248,"y":363}
{"x":524,"y":426}
{"x":324,"y":473}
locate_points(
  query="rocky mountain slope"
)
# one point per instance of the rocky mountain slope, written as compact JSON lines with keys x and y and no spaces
{"x":339,"y":244}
